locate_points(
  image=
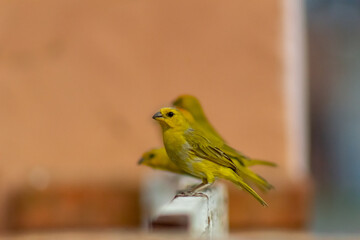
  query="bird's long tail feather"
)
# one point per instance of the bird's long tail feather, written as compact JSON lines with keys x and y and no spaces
{"x":241,"y":183}
{"x":251,"y":177}
{"x":252,"y":162}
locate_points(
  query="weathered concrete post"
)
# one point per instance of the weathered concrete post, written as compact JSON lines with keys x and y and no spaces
{"x":203,"y":215}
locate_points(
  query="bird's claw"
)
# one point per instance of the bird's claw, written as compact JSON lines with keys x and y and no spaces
{"x":190,"y":194}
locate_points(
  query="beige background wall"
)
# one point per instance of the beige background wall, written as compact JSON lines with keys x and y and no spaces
{"x":80,"y":80}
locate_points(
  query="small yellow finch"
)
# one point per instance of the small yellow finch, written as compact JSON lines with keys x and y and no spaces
{"x":198,"y":153}
{"x":191,"y":106}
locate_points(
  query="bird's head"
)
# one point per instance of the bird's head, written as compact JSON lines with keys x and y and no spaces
{"x":171,"y":118}
{"x":154,"y":157}
{"x":190,"y":104}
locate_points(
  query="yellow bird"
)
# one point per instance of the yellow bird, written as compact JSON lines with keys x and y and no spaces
{"x":197,"y":152}
{"x":157,"y":158}
{"x":192,"y":105}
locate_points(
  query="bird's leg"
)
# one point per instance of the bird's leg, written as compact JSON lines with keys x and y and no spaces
{"x":194,"y":191}
{"x":200,"y":186}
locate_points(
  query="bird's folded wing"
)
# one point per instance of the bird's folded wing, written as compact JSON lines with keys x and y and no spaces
{"x":203,"y":148}
{"x":234,"y":154}
{"x":243,"y":159}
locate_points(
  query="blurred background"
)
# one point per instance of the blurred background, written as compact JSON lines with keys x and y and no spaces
{"x":80,"y":80}
{"x":334,"y":85}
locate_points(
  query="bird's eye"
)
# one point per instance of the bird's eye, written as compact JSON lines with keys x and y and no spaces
{"x":170,"y":114}
{"x":151,"y":155}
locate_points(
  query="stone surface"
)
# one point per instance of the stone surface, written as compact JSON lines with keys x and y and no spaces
{"x":202,"y":215}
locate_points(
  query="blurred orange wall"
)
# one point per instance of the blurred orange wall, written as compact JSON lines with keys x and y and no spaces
{"x":80,"y":80}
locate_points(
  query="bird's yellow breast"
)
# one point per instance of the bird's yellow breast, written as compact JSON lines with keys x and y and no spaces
{"x":178,"y":150}
{"x":175,"y":145}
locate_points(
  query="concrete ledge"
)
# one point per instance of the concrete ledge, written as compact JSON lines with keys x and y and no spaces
{"x":203,"y":215}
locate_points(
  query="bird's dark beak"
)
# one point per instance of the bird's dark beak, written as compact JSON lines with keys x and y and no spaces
{"x":140,"y":161}
{"x":157,"y":115}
